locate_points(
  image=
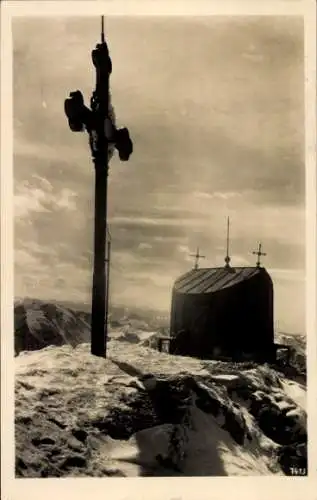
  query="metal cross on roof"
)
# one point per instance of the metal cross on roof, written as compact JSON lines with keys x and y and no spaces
{"x":259,"y":253}
{"x":197,"y":256}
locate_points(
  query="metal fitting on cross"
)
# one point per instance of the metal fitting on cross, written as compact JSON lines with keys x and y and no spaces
{"x":123,"y":143}
{"x":78,"y":115}
{"x":101,"y":59}
{"x":74,"y":110}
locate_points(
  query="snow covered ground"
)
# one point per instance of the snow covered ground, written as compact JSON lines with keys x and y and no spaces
{"x":295,"y":391}
{"x":77,"y":415}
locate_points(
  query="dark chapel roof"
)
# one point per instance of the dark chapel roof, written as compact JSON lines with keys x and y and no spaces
{"x":210,"y":280}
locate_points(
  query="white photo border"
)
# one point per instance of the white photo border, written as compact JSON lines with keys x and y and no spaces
{"x":152,"y":488}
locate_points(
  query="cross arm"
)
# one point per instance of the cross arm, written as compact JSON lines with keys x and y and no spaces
{"x":78,"y":115}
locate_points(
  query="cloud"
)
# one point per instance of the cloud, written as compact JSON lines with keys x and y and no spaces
{"x":25,"y":258}
{"x":201,"y":195}
{"x":145,"y":246}
{"x":288,"y":274}
{"x":266,"y":104}
{"x":26,"y":202}
{"x":183,"y":249}
{"x":30,"y":199}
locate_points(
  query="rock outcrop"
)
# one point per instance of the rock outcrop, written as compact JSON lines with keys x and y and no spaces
{"x":141,"y":412}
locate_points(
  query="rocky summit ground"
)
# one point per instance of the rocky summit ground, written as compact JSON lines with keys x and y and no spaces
{"x":145,"y":413}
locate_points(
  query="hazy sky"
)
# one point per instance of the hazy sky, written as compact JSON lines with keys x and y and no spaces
{"x":215,"y":109}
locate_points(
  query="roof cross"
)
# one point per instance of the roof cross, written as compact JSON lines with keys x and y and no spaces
{"x":197,"y":257}
{"x":259,"y":253}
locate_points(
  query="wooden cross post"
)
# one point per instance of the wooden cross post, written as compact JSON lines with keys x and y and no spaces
{"x":104,"y":137}
{"x":108,"y":256}
{"x":197,"y":256}
{"x":259,"y":253}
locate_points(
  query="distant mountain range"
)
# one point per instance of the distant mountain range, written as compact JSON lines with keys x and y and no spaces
{"x":39,"y":323}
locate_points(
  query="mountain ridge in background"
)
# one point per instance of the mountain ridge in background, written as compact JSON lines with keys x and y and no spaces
{"x":32,"y":316}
